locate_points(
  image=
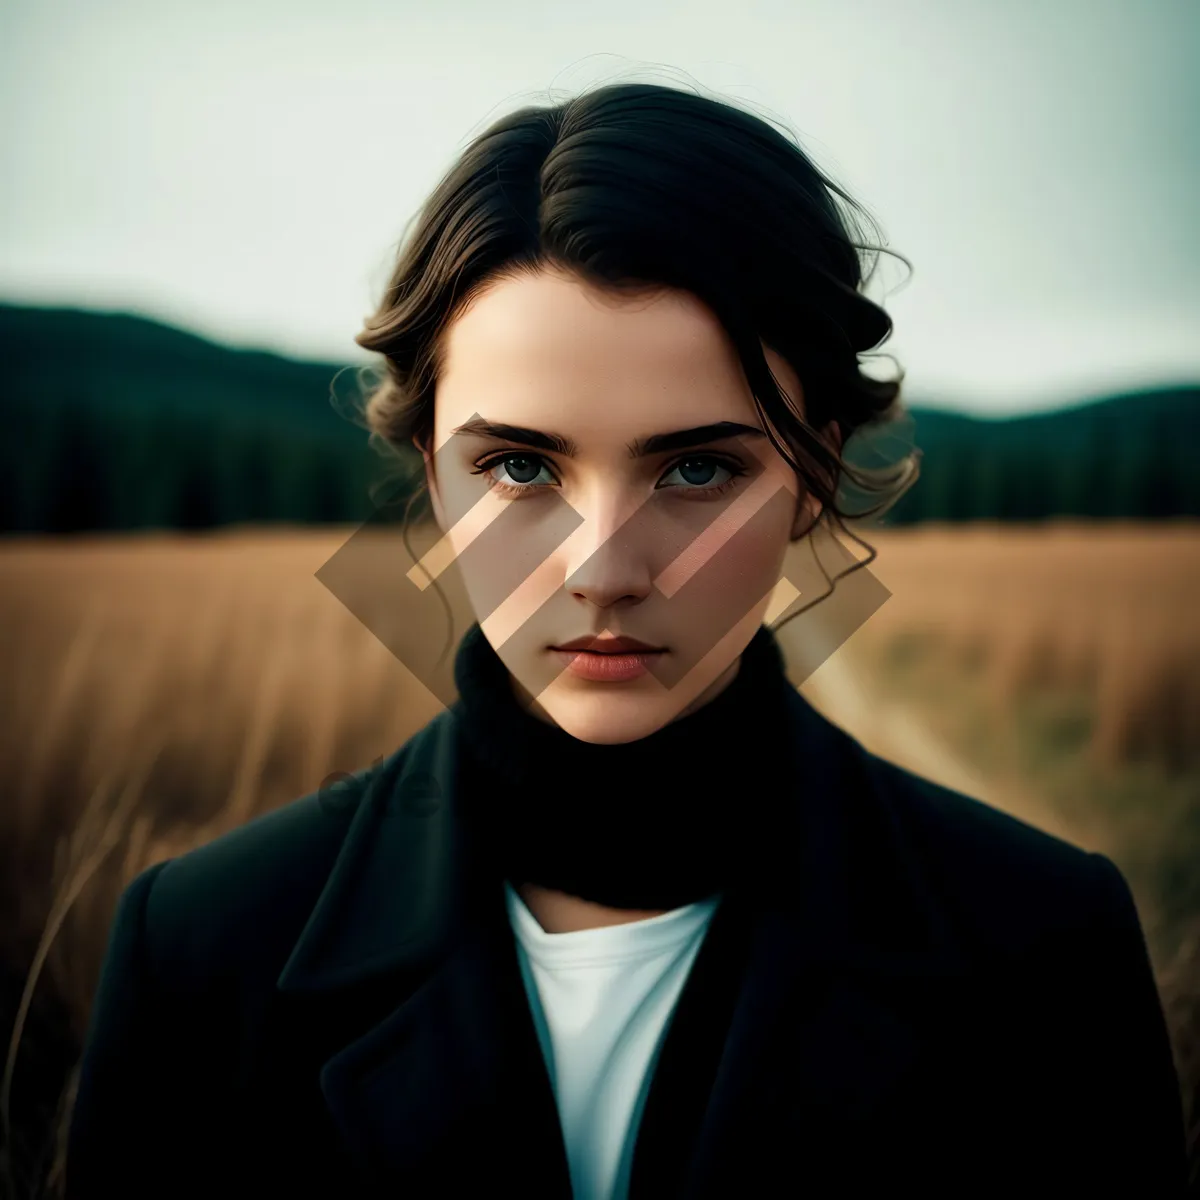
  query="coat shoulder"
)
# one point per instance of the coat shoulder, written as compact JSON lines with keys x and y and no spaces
{"x":234,"y":906}
{"x":1013,"y":885}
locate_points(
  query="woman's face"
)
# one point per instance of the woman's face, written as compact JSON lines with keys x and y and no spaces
{"x":579,"y":521}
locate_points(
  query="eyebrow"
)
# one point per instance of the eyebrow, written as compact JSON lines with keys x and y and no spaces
{"x":659,"y":443}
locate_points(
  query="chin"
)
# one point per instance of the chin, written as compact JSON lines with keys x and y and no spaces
{"x":605,"y":721}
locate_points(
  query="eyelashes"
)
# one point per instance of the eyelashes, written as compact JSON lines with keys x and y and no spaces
{"x":692,"y":491}
{"x":487,"y":465}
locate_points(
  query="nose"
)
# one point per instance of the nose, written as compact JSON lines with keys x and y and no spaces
{"x":608,"y":558}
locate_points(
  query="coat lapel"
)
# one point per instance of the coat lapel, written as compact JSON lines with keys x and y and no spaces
{"x":805,"y":1008}
{"x":448,"y":1092}
{"x":798,"y":1014}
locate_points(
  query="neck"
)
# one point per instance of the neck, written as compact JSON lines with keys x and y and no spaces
{"x":560,"y":912}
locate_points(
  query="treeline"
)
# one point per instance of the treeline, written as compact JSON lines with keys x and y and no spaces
{"x":1134,"y":456}
{"x":115,"y":422}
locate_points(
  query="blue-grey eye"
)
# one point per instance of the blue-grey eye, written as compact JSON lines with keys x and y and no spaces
{"x":698,"y":472}
{"x":518,"y":466}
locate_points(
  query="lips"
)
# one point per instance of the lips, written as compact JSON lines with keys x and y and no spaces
{"x":609,"y":645}
{"x":613,"y":663}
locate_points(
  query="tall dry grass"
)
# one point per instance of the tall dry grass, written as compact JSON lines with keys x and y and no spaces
{"x":161,"y":691}
{"x":165,"y":689}
{"x":1063,"y":662}
{"x":1108,"y":610}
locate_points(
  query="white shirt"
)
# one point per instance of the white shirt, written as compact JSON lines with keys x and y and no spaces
{"x":601,"y":999}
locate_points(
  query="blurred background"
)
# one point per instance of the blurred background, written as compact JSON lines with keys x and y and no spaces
{"x":201,"y":205}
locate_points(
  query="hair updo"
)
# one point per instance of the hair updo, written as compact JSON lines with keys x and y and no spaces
{"x":636,"y":187}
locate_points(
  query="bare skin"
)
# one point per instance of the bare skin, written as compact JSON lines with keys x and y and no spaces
{"x":604,"y":372}
{"x":558,"y":912}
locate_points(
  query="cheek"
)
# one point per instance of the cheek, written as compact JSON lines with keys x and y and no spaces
{"x":754,"y":561}
{"x":459,"y":490}
{"x":723,"y":604}
{"x":749,"y":569}
{"x":752,"y":558}
{"x":467,"y":510}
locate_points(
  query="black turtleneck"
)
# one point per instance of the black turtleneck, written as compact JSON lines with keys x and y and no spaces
{"x":651,"y":824}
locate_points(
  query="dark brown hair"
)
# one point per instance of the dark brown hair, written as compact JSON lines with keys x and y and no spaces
{"x":636,"y":187}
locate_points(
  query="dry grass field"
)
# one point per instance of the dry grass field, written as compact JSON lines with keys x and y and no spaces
{"x":163,"y":689}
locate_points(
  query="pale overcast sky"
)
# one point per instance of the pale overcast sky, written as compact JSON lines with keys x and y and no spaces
{"x":244,"y":168}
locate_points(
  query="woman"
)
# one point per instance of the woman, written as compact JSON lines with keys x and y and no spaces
{"x":630,"y":919}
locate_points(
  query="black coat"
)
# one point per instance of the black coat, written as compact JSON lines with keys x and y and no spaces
{"x":920,"y":993}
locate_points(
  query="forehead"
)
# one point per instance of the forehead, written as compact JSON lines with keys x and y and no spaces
{"x":550,"y":345}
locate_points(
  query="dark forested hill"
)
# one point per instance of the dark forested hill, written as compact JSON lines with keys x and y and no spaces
{"x":1130,"y":456}
{"x":118,"y":422}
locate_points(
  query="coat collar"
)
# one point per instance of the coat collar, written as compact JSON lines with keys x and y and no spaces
{"x":842,"y":929}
